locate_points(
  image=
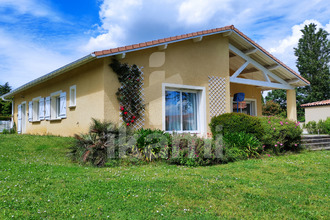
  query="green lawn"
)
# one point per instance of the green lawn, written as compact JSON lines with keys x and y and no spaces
{"x":37,"y":180}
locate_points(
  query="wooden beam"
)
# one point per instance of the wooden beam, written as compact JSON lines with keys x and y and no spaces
{"x":198,"y":39}
{"x":162,"y":47}
{"x":293,"y":81}
{"x":266,"y":77}
{"x":231,"y":54}
{"x":260,"y":83}
{"x":240,"y":70}
{"x":227,"y":34}
{"x":273,"y":67}
{"x":258,"y":65}
{"x":250,"y":51}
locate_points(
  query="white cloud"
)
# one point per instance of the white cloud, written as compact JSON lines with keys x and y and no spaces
{"x":196,"y":11}
{"x":115,"y":15}
{"x":23,"y":60}
{"x":284,"y":49}
{"x":32,"y":7}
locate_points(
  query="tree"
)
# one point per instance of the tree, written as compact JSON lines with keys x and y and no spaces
{"x":313,"y":63}
{"x":272,"y":108}
{"x":5,"y":107}
{"x":313,"y":60}
{"x":278,"y":96}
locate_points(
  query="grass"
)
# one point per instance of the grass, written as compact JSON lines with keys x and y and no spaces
{"x":37,"y":180}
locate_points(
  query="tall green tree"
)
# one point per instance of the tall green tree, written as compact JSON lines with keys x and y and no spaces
{"x":313,"y":63}
{"x":278,"y":96}
{"x":313,"y":60}
{"x":5,"y":107}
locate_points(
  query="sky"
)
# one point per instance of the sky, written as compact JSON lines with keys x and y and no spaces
{"x":39,"y":36}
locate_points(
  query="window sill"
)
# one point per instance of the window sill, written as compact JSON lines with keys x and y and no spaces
{"x":36,"y":121}
{"x":183,"y":132}
{"x":72,"y":106}
{"x":55,"y":119}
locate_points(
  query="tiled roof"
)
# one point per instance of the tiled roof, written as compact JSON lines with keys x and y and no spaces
{"x":319,"y":103}
{"x":144,"y":45}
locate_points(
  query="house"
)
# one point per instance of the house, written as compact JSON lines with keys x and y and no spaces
{"x":316,"y":111}
{"x":205,"y":68}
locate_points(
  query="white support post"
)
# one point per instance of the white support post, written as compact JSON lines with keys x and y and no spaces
{"x":240,"y":70}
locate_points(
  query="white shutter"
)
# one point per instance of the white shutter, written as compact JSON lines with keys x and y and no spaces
{"x":30,"y":111}
{"x":19,"y":119}
{"x":63,"y":105}
{"x":47,"y":108}
{"x":41,"y":109}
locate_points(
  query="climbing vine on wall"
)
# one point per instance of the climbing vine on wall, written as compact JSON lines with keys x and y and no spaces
{"x":129,"y":92}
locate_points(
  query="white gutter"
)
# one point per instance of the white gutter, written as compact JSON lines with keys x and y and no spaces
{"x":50,"y":75}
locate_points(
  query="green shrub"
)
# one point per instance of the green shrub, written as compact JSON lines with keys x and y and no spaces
{"x":151,"y":144}
{"x":320,"y":127}
{"x":281,"y":134}
{"x":94,"y":147}
{"x":5,"y":131}
{"x":311,"y":127}
{"x":240,"y":145}
{"x":271,"y":108}
{"x":194,"y":151}
{"x":236,"y":122}
{"x":327,"y":125}
{"x":5,"y":118}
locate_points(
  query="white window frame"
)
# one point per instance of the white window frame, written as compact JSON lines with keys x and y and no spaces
{"x":35,"y":109}
{"x":54,"y":113}
{"x":246,"y":100}
{"x":201,"y":108}
{"x":73,"y":96}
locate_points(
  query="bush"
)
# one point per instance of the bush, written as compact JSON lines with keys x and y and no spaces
{"x":321,"y":127}
{"x":5,"y":118}
{"x":240,"y":146}
{"x":327,"y":125}
{"x":151,"y":144}
{"x":272,"y":108}
{"x":5,"y":131}
{"x":281,"y":134}
{"x":236,"y":122}
{"x":95,"y":146}
{"x":194,"y":151}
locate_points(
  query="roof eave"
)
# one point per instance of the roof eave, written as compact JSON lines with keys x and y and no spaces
{"x":160,"y":44}
{"x":50,"y":75}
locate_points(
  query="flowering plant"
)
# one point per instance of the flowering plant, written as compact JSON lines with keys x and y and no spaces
{"x":129,"y":93}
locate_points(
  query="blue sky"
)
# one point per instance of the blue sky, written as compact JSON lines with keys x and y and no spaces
{"x":39,"y":36}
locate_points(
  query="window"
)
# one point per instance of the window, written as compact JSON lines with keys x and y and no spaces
{"x":35,"y":106}
{"x":72,"y":96}
{"x":56,"y":106}
{"x":36,"y":109}
{"x":183,"y":109}
{"x":247,"y":107}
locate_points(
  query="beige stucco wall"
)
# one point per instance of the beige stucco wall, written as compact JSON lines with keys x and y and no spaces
{"x":251,"y":92}
{"x":317,"y":113}
{"x":89,"y":100}
{"x":183,"y":63}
